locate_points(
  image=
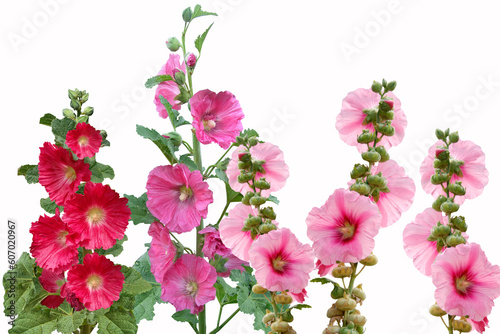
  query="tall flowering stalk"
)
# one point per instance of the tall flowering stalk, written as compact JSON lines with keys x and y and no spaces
{"x":466,"y":283}
{"x":343,"y":229}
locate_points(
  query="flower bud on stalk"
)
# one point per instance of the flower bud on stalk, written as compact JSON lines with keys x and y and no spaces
{"x":267,"y":227}
{"x":268,"y":212}
{"x":191,"y":60}
{"x":376,"y":181}
{"x":69,"y":113}
{"x":441,"y":164}
{"x":440,"y":231}
{"x":244,"y":156}
{"x":437,"y":203}
{"x":334,"y":312}
{"x":371,"y":116}
{"x":258,"y":200}
{"x":173,"y":44}
{"x":457,"y":189}
{"x":252,"y":221}
{"x":89,"y":111}
{"x":359,"y":171}
{"x":244,"y":165}
{"x":439,"y":178}
{"x":386,"y":129}
{"x":259,"y":289}
{"x":440,"y":134}
{"x":376,"y":87}
{"x":244,"y":177}
{"x":262,"y":183}
{"x":246,"y":198}
{"x":346,"y":303}
{"x":283,"y":299}
{"x":359,"y":294}
{"x":369,"y":261}
{"x":179,"y":77}
{"x":455,"y":167}
{"x":454,"y":137}
{"x":383,"y":153}
{"x":371,"y":155}
{"x":187,"y":14}
{"x":391,"y":86}
{"x":361,"y":187}
{"x":442,"y":153}
{"x":356,"y":319}
{"x":287,"y":316}
{"x":366,"y":137}
{"x":252,"y":141}
{"x":386,"y":105}
{"x":436,"y":311}
{"x":461,"y":325}
{"x":342,"y":271}
{"x":337,"y":292}
{"x":268,"y":318}
{"x":455,"y":240}
{"x":458,"y":223}
{"x":449,"y":206}
{"x":280,"y":326}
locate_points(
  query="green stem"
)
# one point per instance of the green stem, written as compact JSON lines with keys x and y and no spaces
{"x":223,"y":213}
{"x":225,"y":322}
{"x":220,"y":314}
{"x":212,"y":167}
{"x":86,"y":329}
{"x":450,"y":326}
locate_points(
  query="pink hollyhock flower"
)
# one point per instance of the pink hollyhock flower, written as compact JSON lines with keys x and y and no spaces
{"x":189,"y":284}
{"x":216,"y":117}
{"x":213,"y":243}
{"x":299,"y":297}
{"x":350,"y":120}
{"x":479,"y":326}
{"x":466,"y":283}
{"x":178,"y":197}
{"x":344,"y":227}
{"x":275,"y":167}
{"x":51,"y":282}
{"x":475,"y":174}
{"x":99,"y":216}
{"x":71,"y":298}
{"x":169,"y":89}
{"x":281,"y":262}
{"x":97,"y":282}
{"x":231,"y":234}
{"x":232,"y":263}
{"x":84,"y":141}
{"x":422,"y":251}
{"x":55,"y":244}
{"x":162,"y":252}
{"x":59,"y":173}
{"x":324,"y":270}
{"x":191,"y":60}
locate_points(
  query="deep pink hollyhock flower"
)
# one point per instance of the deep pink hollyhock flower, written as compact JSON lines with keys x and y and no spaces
{"x":475,"y":174}
{"x":479,"y":326}
{"x":189,"y":284}
{"x":299,"y":297}
{"x":162,"y":251}
{"x":71,"y":298}
{"x":100,"y":216}
{"x":178,"y":197}
{"x":232,"y":263}
{"x":281,"y":262}
{"x":344,"y":227}
{"x":417,"y":247}
{"x":55,"y":244}
{"x":97,"y":282}
{"x":213,"y":243}
{"x":169,"y":89}
{"x":59,"y":173}
{"x":324,"y":270}
{"x":231,"y":234}
{"x":466,"y":283}
{"x":216,"y":117}
{"x":191,"y":60}
{"x":350,"y":120}
{"x":84,"y":141}
{"x":51,"y":282}
{"x":275,"y":167}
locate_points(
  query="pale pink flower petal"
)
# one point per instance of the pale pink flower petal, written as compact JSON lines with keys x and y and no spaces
{"x":169,"y":89}
{"x":162,"y":251}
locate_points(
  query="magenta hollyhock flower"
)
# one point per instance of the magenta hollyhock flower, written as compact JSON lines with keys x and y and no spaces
{"x":275,"y":167}
{"x":281,"y":261}
{"x":178,"y":197}
{"x":475,"y":174}
{"x":350,"y":120}
{"x":169,"y":89}
{"x":189,"y":284}
{"x":191,"y":60}
{"x":344,"y":227}
{"x":51,"y":282}
{"x":213,"y":243}
{"x":232,"y":263}
{"x":97,"y":282}
{"x":100,"y":216}
{"x":71,"y":298}
{"x":466,"y":283}
{"x":216,"y":117}
{"x":59,"y":173}
{"x":55,"y":244}
{"x":417,"y":247}
{"x":162,"y":251}
{"x":84,"y":141}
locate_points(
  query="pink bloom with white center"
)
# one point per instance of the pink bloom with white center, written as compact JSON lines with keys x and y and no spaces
{"x":178,"y":197}
{"x":216,"y":117}
{"x":189,"y":284}
{"x":281,"y":261}
{"x":350,"y":120}
{"x":213,"y":243}
{"x":276,"y":170}
{"x":162,"y":251}
{"x":169,"y":89}
{"x":475,"y":174}
{"x":344,"y":227}
{"x":466,"y":283}
{"x":84,"y":141}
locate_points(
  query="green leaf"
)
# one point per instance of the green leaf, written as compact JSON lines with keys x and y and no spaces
{"x":231,"y":195}
{"x":197,"y":12}
{"x":139,"y":210}
{"x":99,"y":171}
{"x":47,"y":119}
{"x":20,"y":284}
{"x":173,"y":114}
{"x":249,"y":301}
{"x":60,"y":128}
{"x":165,"y":145}
{"x":300,"y":306}
{"x":50,"y":206}
{"x":37,"y":321}
{"x":145,"y":302}
{"x":198,"y":43}
{"x":69,"y":323}
{"x":30,"y":173}
{"x":186,"y":160}
{"x":221,"y":175}
{"x":105,"y":142}
{"x":273,"y":199}
{"x":225,"y":293}
{"x":249,"y":133}
{"x":257,"y":323}
{"x":143,"y":267}
{"x":134,"y":283}
{"x":115,"y":250}
{"x":24,"y":169}
{"x":323,"y":280}
{"x":185,"y":316}
{"x":117,"y":321}
{"x":151,"y":82}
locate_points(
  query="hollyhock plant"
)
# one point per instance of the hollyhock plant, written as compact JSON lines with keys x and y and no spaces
{"x":84,"y":141}
{"x":213,"y":244}
{"x":343,"y":228}
{"x":59,"y":173}
{"x":189,"y":284}
{"x":216,"y":117}
{"x":162,"y":251}
{"x":281,"y":262}
{"x":169,"y":89}
{"x":351,"y":118}
{"x":232,"y":263}
{"x":97,"y":282}
{"x":52,"y":282}
{"x":276,"y":170}
{"x":71,"y":298}
{"x":178,"y":197}
{"x":100,"y":216}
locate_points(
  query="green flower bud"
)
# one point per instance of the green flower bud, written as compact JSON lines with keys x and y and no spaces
{"x":69,"y":113}
{"x":258,"y":200}
{"x":440,"y":245}
{"x":252,"y":141}
{"x":458,"y":223}
{"x":337,"y":292}
{"x":454,"y":137}
{"x":449,"y":206}
{"x":371,"y":116}
{"x":457,"y":188}
{"x":283,"y":299}
{"x":82,"y":119}
{"x":440,"y":231}
{"x":376,"y":181}
{"x":253,"y":233}
{"x":384,"y":83}
{"x":332,"y":329}
{"x":257,"y":166}
{"x":358,"y":171}
{"x":240,"y":140}
{"x":439,"y":178}
{"x":342,"y":271}
{"x":244,"y":156}
{"x":385,"y":105}
{"x":349,"y":329}
{"x":360,"y":187}
{"x":385,"y":129}
{"x":357,"y":319}
{"x":269,"y":317}
{"x":252,"y":221}
{"x":180,"y":78}
{"x":376,"y":87}
{"x":88,"y":111}
{"x":187,"y":14}
{"x":334,"y":311}
{"x":246,"y":198}
{"x":268,"y":212}
{"x":455,"y":240}
{"x":183,"y":97}
{"x":391,"y":86}
{"x":371,"y":155}
{"x":359,"y":293}
{"x":173,"y":44}
{"x":85,"y":97}
{"x":73,"y":94}
{"x":287,"y":316}
{"x":442,"y":153}
{"x":437,"y":203}
{"x":103,"y":134}
{"x":175,"y":137}
{"x":259,"y":289}
{"x":75,"y":104}
{"x":441,"y":164}
{"x":436,"y":311}
{"x":369,"y":261}
{"x":461,"y":325}
{"x":440,"y":134}
{"x":383,"y":153}
{"x":262,"y":183}
{"x":387,"y":115}
{"x":267,"y":227}
{"x":280,"y":326}
{"x":244,"y":177}
{"x":455,"y":167}
{"x":244,"y":165}
{"x":367,"y":137}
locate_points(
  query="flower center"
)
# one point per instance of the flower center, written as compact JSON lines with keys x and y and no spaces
{"x":279,"y":264}
{"x":347,"y":230}
{"x":70,"y":173}
{"x":94,"y":282}
{"x":185,"y":193}
{"x":83,"y":140}
{"x":191,"y":288}
{"x":209,"y":124}
{"x":95,"y":216}
{"x":462,"y":284}
{"x":61,"y":238}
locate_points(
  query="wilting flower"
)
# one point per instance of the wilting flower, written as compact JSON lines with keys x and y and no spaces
{"x":178,"y":197}
{"x":350,"y":120}
{"x":97,"y":282}
{"x":59,"y":173}
{"x":162,"y":252}
{"x":84,"y":141}
{"x":71,"y":298}
{"x":213,"y":243}
{"x":216,"y":117}
{"x":189,"y":284}
{"x":466,"y":283}
{"x":343,"y":228}
{"x":276,"y":170}
{"x":281,"y":261}
{"x":169,"y":89}
{"x":51,"y":282}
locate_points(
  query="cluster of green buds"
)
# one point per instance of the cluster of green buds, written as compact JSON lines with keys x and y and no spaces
{"x":278,"y":320}
{"x":78,"y":98}
{"x":461,"y":325}
{"x":249,"y":167}
{"x":367,"y":184}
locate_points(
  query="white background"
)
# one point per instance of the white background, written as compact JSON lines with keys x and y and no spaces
{"x":290,"y":64}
